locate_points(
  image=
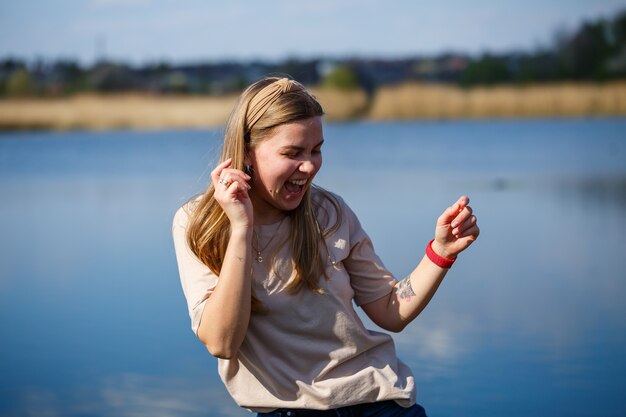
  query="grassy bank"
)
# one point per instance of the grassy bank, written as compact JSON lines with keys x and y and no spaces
{"x":408,"y":101}
{"x":135,"y":111}
{"x":429,"y":101}
{"x":114,"y":112}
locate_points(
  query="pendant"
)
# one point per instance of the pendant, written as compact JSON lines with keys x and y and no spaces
{"x":259,"y":258}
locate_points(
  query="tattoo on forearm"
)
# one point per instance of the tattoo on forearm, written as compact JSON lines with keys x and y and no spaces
{"x":404,"y":290}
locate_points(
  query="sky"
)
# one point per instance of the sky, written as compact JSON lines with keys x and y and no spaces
{"x":187,"y":31}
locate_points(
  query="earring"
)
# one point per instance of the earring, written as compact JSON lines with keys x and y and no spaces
{"x":248,"y":170}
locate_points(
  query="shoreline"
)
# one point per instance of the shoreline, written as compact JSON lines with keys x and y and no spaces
{"x":410,"y":101}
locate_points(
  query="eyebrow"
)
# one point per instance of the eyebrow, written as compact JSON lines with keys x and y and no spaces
{"x":300,"y":148}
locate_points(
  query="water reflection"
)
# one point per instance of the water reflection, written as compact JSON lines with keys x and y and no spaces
{"x":127,"y":395}
{"x":529,"y":322}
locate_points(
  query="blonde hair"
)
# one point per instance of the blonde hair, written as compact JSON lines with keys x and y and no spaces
{"x":261,"y":108}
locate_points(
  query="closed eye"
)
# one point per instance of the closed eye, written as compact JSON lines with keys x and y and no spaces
{"x":297,"y":151}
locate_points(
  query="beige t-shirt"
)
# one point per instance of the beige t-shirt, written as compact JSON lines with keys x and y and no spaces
{"x":309,"y":350}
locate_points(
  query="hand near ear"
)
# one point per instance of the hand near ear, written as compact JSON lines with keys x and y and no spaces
{"x":231,"y":192}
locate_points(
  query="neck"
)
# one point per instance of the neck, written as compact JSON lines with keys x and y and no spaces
{"x":265,"y":213}
{"x":265,"y":218}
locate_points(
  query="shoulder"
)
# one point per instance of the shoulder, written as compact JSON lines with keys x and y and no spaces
{"x":331,"y":209}
{"x":328,"y":206}
{"x":327,"y":199}
{"x":181,"y":217}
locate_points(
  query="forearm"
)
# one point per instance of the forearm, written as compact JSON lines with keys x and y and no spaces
{"x":227,"y":312}
{"x":414,"y":293}
{"x":410,"y":296}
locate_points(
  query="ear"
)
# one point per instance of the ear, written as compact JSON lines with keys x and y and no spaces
{"x":247,"y":164}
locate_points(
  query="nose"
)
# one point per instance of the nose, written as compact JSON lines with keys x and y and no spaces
{"x":308,"y":167}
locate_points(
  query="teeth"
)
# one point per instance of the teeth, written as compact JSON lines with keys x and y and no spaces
{"x":298,"y":182}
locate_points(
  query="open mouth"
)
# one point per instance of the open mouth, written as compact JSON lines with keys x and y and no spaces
{"x":295,"y":186}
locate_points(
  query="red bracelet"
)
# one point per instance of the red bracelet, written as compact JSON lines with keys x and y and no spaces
{"x":436,"y":259}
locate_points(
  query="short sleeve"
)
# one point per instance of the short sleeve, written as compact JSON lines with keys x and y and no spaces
{"x":197,"y":280}
{"x":369,"y":277}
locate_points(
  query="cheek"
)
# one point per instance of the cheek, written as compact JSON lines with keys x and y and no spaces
{"x":318,"y":162}
{"x":273,"y":176}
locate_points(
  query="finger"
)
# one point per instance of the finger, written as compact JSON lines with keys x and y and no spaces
{"x":465,"y":213}
{"x":458,"y":231}
{"x":462,"y":201}
{"x":220,"y":167}
{"x":227,"y":178}
{"x":223,"y":183}
{"x":242,"y":185}
{"x":237,"y":172}
{"x":472,"y":232}
{"x":231,"y":174}
{"x":451,"y":212}
{"x":448,"y":215}
{"x":236,"y":187}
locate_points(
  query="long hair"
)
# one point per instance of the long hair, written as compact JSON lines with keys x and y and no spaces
{"x":261,"y":108}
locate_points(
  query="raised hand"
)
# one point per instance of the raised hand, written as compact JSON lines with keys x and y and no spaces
{"x":231,"y":192}
{"x":456,"y":229}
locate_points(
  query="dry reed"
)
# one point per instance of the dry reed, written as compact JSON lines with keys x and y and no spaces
{"x":135,"y":111}
{"x":115,"y":112}
{"x":433,"y":101}
{"x":341,"y":105}
{"x":407,"y":101}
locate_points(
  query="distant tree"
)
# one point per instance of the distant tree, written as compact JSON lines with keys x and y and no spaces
{"x":540,"y":66}
{"x":586,"y":54}
{"x":8,"y":65}
{"x":616,"y":64}
{"x":160,"y":67}
{"x":487,"y":70}
{"x":20,"y":84}
{"x":177,"y":82}
{"x":303,"y":71}
{"x":109,"y":77}
{"x":65,"y":77}
{"x":618,"y":29}
{"x":341,"y":77}
{"x":67,"y":69}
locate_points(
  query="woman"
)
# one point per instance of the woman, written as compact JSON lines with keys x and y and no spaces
{"x":270,"y":266}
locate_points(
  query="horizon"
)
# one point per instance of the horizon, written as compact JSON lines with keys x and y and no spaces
{"x":143,"y":32}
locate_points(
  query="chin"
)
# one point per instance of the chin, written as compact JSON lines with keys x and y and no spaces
{"x":293,"y":201}
{"x":291,"y":205}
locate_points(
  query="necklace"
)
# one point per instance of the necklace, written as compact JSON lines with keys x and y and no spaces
{"x":259,"y":257}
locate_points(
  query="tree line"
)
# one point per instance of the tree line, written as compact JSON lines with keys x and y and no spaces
{"x":595,"y":51}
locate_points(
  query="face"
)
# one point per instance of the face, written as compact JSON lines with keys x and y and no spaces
{"x":284,"y":166}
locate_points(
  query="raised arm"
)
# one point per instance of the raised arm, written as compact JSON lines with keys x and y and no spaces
{"x":456,"y":229}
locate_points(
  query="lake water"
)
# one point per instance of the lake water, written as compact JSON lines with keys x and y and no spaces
{"x":530,"y":321}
